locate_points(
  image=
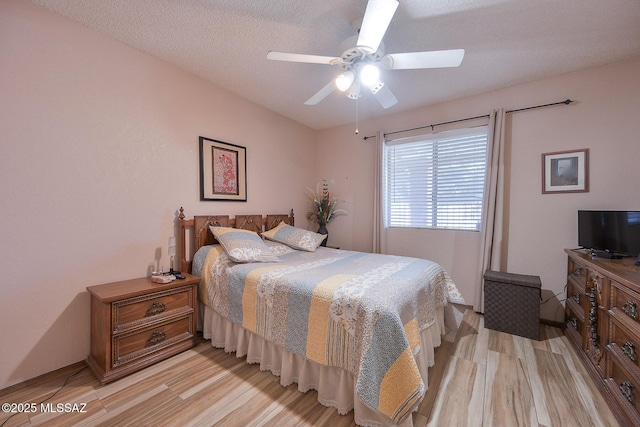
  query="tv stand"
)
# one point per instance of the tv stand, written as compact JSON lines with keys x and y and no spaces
{"x":603,"y":324}
{"x":605,"y":254}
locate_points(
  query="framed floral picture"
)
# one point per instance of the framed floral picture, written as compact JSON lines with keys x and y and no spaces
{"x":223,"y":171}
{"x":565,"y":172}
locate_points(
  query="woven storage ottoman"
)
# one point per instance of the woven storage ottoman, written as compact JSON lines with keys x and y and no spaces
{"x":512,"y":303}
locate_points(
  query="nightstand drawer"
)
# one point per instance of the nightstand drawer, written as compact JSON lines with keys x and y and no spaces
{"x":132,"y":346}
{"x":141,"y":310}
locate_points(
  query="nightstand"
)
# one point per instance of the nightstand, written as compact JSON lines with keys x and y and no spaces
{"x":136,"y":323}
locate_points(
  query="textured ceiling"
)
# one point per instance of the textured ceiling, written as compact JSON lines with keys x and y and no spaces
{"x":226,"y":42}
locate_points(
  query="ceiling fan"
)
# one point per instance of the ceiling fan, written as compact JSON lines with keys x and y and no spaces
{"x":361,"y":64}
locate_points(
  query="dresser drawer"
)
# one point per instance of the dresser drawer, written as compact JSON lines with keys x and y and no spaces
{"x":624,"y":383}
{"x":624,"y":338}
{"x":578,"y":274}
{"x":577,"y":296}
{"x":575,"y":324}
{"x":140,"y":310}
{"x":626,"y":301}
{"x":128,"y":347}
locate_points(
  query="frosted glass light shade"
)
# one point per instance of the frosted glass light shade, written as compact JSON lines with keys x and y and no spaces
{"x":345,"y":80}
{"x":369,"y":75}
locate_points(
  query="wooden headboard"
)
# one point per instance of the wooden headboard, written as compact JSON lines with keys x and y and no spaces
{"x":202,"y":235}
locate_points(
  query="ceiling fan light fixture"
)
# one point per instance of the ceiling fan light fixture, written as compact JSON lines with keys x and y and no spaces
{"x":345,"y":80}
{"x":369,"y":75}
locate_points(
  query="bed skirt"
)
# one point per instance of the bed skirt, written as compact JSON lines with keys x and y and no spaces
{"x":335,"y":386}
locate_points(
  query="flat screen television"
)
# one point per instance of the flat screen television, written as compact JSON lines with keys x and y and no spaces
{"x":610,"y":233}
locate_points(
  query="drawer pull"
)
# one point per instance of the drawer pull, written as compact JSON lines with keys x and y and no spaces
{"x":576,"y":297}
{"x":156,"y":308}
{"x":573,"y":322}
{"x":156,"y":337}
{"x":630,"y":309}
{"x":627,"y":390}
{"x":629,"y":349}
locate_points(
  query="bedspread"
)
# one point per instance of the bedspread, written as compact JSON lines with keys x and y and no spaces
{"x":358,"y":311}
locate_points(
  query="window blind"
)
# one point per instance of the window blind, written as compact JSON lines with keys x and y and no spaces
{"x":436,"y":180}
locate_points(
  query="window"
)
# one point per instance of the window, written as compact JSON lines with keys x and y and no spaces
{"x":436,"y":180}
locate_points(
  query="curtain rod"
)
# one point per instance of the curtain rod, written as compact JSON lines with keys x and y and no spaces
{"x":565,"y":102}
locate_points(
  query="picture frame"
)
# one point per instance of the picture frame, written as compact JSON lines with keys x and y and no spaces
{"x":223,"y":171}
{"x":565,"y":171}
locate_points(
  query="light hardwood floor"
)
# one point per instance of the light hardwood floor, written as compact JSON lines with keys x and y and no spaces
{"x":481,"y":378}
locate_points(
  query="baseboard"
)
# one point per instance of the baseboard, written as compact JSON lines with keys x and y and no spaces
{"x":61,"y":372}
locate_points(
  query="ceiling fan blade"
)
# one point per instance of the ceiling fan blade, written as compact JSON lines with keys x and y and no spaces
{"x":432,"y":59}
{"x":297,"y":57}
{"x":377,"y":18}
{"x":322,"y":93}
{"x":384,"y":95}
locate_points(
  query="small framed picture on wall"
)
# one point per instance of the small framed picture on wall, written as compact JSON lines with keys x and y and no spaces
{"x":223,"y":171}
{"x":565,"y":171}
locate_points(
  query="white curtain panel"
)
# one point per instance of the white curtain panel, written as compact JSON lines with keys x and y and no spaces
{"x":379,"y":231}
{"x":493,"y":219}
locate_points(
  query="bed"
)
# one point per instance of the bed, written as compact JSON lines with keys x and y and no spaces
{"x":359,"y":328}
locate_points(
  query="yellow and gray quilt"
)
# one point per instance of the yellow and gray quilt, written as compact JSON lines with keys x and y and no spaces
{"x":358,"y":311}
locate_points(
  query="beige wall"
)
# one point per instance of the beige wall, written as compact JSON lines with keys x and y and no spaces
{"x":98,"y":150}
{"x":540,"y":225}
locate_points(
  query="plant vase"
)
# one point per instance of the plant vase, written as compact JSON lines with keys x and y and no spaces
{"x":322,"y":229}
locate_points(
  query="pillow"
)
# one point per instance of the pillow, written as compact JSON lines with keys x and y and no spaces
{"x":278,"y":248}
{"x":297,"y":238}
{"x":243,"y":245}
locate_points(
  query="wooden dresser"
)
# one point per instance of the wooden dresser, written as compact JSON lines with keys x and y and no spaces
{"x":603,"y":322}
{"x":135,"y":323}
